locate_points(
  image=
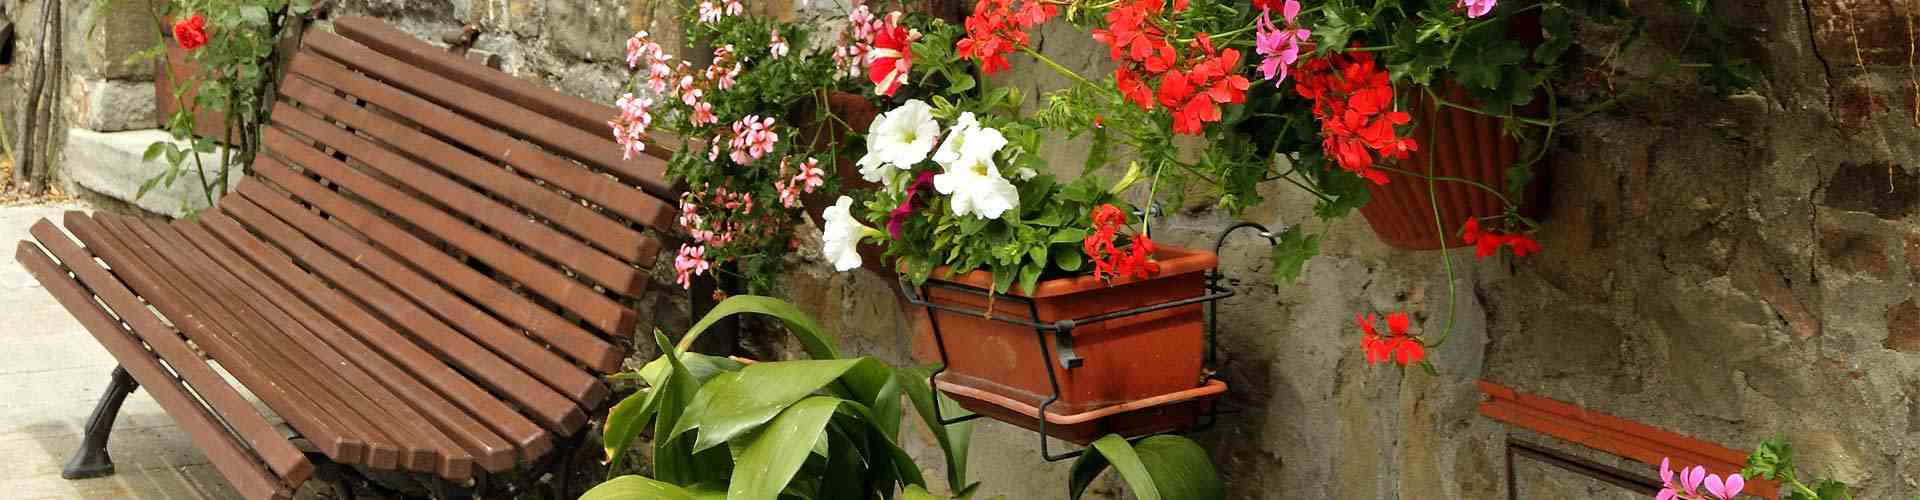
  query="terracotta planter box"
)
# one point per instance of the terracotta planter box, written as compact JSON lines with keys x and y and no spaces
{"x":1466,"y":145}
{"x":177,"y":68}
{"x":1137,"y":374}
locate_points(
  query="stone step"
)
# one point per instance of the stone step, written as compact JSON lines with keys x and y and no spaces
{"x":110,"y":164}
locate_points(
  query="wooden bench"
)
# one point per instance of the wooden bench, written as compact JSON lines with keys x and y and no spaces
{"x":427,"y":271}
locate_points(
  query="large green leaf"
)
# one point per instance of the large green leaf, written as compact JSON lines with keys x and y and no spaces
{"x":624,"y":423}
{"x":641,"y":488}
{"x":738,"y":402}
{"x":769,"y":463}
{"x":1158,"y":467}
{"x":812,"y":337}
{"x":904,"y":467}
{"x":954,"y":439}
{"x":674,"y":460}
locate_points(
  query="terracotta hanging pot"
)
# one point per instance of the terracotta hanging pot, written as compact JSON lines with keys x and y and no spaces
{"x":855,"y":113}
{"x":1465,"y":145}
{"x":1130,"y":375}
{"x":179,"y":69}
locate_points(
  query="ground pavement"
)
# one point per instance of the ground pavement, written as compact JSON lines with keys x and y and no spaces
{"x":51,"y":373}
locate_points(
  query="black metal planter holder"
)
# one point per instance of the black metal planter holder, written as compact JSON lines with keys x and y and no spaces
{"x":1061,"y":332}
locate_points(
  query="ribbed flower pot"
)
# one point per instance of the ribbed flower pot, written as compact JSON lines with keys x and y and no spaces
{"x":1136,"y":374}
{"x":1464,"y":145}
{"x":179,"y":70}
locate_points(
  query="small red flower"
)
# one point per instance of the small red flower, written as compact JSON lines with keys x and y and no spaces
{"x":1109,"y":260}
{"x":1487,"y":243}
{"x":997,"y":28}
{"x":1398,"y":346}
{"x":192,"y":32}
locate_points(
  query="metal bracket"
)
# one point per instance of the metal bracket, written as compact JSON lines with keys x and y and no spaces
{"x":1063,"y":345}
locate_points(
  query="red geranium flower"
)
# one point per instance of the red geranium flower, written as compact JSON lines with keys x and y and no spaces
{"x":1353,"y":101}
{"x":997,"y":28}
{"x":1398,"y":346}
{"x":1487,"y":243}
{"x":892,"y":58}
{"x":191,"y":33}
{"x":1108,"y":258}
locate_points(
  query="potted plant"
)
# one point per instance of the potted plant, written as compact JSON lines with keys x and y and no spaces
{"x":826,"y":427}
{"x":763,"y":127}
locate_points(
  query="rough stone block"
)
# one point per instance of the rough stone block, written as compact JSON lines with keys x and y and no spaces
{"x":1863,"y":32}
{"x":110,"y":164}
{"x":596,"y":30}
{"x":112,"y":105}
{"x":115,"y":31}
{"x":1903,"y":327}
{"x":1888,"y":191}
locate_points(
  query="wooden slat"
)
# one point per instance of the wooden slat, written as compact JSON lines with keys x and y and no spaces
{"x":525,"y":158}
{"x":550,"y":408}
{"x":590,"y":304}
{"x":234,"y":462}
{"x":150,"y":284}
{"x":287,"y":461}
{"x":422,"y":444}
{"x":532,"y":235}
{"x":256,"y":341}
{"x":429,"y":411}
{"x":622,"y":199}
{"x":564,"y":335}
{"x":521,"y":350}
{"x":498,"y":416}
{"x":494,"y":109}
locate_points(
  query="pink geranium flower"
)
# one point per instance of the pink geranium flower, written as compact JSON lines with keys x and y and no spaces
{"x":703,"y":115}
{"x":1280,"y":47}
{"x":1477,"y":8}
{"x":692,"y":261}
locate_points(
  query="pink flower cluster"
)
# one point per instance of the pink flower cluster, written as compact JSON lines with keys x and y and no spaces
{"x":1692,"y":478}
{"x":630,"y":128}
{"x":851,"y":56}
{"x":777,"y":46}
{"x":723,"y":77}
{"x":753,"y":137}
{"x":691,"y":262}
{"x":811,"y":177}
{"x":1279,"y":47}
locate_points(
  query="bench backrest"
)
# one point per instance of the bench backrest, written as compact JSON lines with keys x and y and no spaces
{"x":503,"y":209}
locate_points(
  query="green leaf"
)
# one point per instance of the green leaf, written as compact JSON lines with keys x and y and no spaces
{"x":817,"y":342}
{"x":1115,"y":451}
{"x":1158,"y":467}
{"x":954,"y":439}
{"x":1559,"y":28}
{"x":1069,"y":260}
{"x":155,"y":150}
{"x":962,"y":82}
{"x":770,"y":462}
{"x":1291,"y":253}
{"x":624,"y":423}
{"x":741,"y":401}
{"x":1829,"y":489}
{"x":641,"y":488}
{"x":1180,"y":468}
{"x":673,"y":459}
{"x":254,"y":14}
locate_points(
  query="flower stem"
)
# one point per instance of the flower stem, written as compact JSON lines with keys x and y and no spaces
{"x":1446,"y":254}
{"x":1057,"y":68}
{"x":1443,"y":178}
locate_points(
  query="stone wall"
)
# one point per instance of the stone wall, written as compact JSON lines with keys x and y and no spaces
{"x":1730,"y":268}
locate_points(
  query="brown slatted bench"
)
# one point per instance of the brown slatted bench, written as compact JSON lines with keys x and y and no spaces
{"x":427,"y":271}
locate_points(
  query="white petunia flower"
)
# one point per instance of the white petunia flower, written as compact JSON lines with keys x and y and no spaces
{"x":841,"y":236}
{"x":1026,"y":174}
{"x":899,"y":138}
{"x":968,"y":139}
{"x":977,"y":188}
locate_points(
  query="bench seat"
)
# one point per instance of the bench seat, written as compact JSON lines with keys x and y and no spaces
{"x":429,"y":269}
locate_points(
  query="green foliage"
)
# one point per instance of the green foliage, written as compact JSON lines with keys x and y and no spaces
{"x":1158,"y":467}
{"x":237,"y":70}
{"x":1292,"y":252}
{"x":822,"y":428}
{"x":1773,"y":460}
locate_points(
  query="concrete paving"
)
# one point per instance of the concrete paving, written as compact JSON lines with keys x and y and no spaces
{"x":51,"y":373}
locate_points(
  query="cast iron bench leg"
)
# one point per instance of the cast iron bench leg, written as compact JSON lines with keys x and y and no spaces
{"x":92,"y":460}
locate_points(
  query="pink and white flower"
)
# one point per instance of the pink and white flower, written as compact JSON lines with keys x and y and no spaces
{"x":692,"y":261}
{"x":777,"y":47}
{"x":630,"y":128}
{"x":753,"y":138}
{"x":709,"y":13}
{"x":703,"y":115}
